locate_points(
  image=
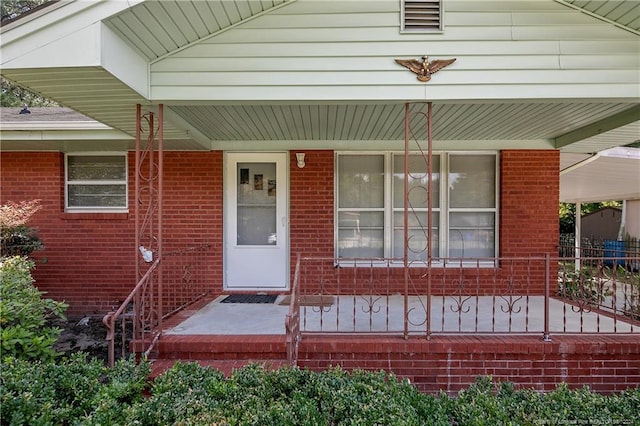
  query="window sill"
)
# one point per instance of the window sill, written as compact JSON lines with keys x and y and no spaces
{"x":449,"y":264}
{"x":94,"y":216}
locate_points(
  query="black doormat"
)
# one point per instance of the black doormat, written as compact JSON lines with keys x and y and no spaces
{"x":250,"y":298}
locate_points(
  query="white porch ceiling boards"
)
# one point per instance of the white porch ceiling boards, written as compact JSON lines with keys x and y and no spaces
{"x":157,"y":28}
{"x":534,"y":124}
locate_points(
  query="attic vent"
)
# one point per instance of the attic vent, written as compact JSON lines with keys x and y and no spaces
{"x":422,"y":15}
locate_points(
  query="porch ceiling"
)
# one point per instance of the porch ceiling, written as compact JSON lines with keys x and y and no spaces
{"x":575,"y":127}
{"x":490,"y":125}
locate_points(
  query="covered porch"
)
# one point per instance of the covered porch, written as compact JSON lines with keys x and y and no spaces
{"x":580,"y":326}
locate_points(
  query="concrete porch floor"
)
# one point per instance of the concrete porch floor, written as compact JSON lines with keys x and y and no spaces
{"x":383,"y":314}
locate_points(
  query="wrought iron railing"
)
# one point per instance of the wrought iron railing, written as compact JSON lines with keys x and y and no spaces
{"x":532,"y":295}
{"x":292,"y":321}
{"x":137,"y":325}
{"x":605,"y":289}
{"x":598,"y":247}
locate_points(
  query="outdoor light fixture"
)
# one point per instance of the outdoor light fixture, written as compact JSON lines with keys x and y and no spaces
{"x":300,"y":160}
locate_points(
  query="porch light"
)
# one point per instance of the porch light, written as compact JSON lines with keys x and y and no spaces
{"x":300,"y":159}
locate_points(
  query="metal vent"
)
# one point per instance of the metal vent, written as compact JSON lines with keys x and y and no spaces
{"x":422,"y":15}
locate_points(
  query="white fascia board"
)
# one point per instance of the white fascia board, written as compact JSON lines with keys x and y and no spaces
{"x":400,"y":93}
{"x":123,"y":62}
{"x":80,"y":48}
{"x":64,"y":135}
{"x":594,"y":197}
{"x":375,"y":145}
{"x":53,"y":125}
{"x":57,"y":32}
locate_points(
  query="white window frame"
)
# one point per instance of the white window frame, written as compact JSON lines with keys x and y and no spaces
{"x":443,"y":209}
{"x":96,"y":209}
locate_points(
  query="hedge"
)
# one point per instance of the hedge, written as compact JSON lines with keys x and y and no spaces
{"x":81,"y":391}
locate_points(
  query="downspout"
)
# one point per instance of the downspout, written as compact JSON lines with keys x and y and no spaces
{"x":623,"y":218}
{"x":577,"y":238}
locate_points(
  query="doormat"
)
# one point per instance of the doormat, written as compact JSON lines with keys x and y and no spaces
{"x":250,"y":298}
{"x":311,"y":300}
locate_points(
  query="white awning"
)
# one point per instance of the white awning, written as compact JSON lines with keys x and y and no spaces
{"x":610,"y":175}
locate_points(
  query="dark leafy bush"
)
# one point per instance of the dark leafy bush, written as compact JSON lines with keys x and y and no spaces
{"x":24,"y":313}
{"x":83,"y":392}
{"x":75,"y":390}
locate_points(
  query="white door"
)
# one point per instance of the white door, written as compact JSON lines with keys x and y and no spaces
{"x":256,"y":222}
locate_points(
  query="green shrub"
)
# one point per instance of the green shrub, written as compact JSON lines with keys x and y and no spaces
{"x":80,"y":391}
{"x":75,"y":390}
{"x":24,"y":313}
{"x":185,"y":391}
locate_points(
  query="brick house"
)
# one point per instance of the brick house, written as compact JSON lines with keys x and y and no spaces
{"x":282,"y":132}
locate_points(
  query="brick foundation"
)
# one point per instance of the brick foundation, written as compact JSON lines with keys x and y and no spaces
{"x":451,"y":363}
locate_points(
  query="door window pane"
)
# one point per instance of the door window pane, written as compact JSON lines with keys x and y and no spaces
{"x":256,"y":209}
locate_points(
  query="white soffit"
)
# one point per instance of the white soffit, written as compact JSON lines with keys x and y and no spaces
{"x":609,"y":175}
{"x":623,"y":13}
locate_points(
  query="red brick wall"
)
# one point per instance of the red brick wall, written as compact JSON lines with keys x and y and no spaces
{"x":451,"y":363}
{"x":530,"y":189}
{"x":311,"y":206}
{"x":88,"y":259}
{"x":90,"y":256}
{"x":530,"y":182}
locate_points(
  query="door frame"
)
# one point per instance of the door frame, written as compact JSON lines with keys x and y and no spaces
{"x":230,"y":159}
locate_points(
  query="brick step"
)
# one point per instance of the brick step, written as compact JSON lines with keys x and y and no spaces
{"x":223,"y":352}
{"x":226,"y":367}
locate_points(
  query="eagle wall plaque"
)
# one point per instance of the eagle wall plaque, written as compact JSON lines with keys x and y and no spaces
{"x":423,"y":68}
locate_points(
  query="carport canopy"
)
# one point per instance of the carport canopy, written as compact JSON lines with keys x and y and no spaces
{"x":609,"y":175}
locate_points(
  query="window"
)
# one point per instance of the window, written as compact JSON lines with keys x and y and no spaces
{"x":370,"y":205}
{"x":472,"y":206}
{"x":422,"y":15}
{"x":96,"y":182}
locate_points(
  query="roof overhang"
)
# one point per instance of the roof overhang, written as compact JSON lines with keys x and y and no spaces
{"x":610,"y":175}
